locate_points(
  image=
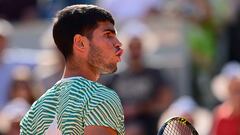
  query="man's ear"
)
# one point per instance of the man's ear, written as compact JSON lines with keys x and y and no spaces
{"x":80,"y":42}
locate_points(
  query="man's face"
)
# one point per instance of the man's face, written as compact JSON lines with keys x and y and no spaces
{"x":105,"y":51}
{"x":135,"y":48}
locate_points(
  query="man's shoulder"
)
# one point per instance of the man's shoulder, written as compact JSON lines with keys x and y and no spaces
{"x":103,"y":98}
{"x":99,"y":94}
{"x":102,"y":90}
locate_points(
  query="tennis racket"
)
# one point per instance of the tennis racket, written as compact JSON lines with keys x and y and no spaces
{"x":177,"y":126}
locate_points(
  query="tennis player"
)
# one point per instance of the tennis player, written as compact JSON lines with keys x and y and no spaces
{"x":77,"y":104}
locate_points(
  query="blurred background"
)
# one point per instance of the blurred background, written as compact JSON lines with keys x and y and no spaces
{"x":181,"y":59}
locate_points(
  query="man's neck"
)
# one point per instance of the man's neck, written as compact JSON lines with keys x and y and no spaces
{"x":83,"y":71}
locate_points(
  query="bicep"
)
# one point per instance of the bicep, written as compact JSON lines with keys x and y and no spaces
{"x":99,"y":130}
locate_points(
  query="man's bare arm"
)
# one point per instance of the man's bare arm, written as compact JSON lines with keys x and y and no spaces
{"x":99,"y":130}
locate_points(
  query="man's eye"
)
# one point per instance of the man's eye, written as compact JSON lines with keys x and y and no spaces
{"x":108,"y":35}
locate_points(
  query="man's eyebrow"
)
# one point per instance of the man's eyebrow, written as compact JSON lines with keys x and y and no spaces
{"x":110,"y":30}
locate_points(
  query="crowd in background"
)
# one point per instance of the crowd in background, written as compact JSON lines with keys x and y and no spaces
{"x":182,"y":58}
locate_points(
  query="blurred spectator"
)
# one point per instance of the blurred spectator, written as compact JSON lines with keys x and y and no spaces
{"x":48,"y":8}
{"x":228,"y":48}
{"x":223,"y":11}
{"x":186,"y":107}
{"x":227,"y":114}
{"x":201,"y":38}
{"x":18,"y":10}
{"x":232,"y":35}
{"x":5,"y":68}
{"x":20,"y":99}
{"x":50,"y":64}
{"x":26,"y":10}
{"x":144,"y":91}
{"x":133,"y":9}
{"x":135,"y":128}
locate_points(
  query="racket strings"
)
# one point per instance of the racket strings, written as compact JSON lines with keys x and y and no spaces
{"x":177,"y":128}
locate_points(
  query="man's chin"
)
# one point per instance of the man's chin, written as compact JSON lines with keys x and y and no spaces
{"x":110,"y":71}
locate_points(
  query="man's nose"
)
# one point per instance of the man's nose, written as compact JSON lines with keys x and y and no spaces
{"x":117,"y":43}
